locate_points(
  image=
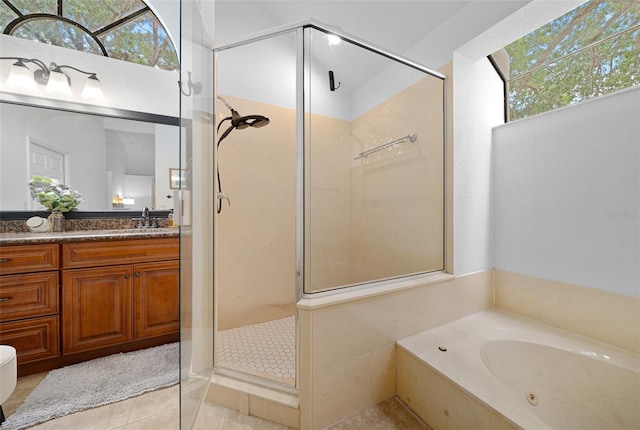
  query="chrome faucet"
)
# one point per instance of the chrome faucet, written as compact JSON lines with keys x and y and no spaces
{"x":145,"y":220}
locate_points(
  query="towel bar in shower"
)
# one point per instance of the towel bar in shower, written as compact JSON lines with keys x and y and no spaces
{"x":409,"y":137}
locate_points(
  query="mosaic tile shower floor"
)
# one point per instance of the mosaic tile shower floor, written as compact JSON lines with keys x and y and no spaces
{"x":265,"y":349}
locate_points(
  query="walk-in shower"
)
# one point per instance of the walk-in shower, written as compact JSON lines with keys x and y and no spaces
{"x":344,"y":189}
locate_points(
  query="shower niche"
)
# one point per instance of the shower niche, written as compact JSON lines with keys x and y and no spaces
{"x":342,"y":187}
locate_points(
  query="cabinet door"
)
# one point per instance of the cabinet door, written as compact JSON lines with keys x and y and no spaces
{"x":156,"y":295}
{"x":96,"y":308}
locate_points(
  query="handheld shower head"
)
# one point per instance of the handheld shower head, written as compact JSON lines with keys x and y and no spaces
{"x":237,"y":122}
{"x":241,"y":122}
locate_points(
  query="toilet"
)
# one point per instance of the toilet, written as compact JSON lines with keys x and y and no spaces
{"x":8,"y":374}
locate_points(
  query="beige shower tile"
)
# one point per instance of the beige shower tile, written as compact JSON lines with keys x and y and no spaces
{"x":353,"y":385}
{"x":443,"y":405}
{"x":608,"y":317}
{"x":347,"y":330}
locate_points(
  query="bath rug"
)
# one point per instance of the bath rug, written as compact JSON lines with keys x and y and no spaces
{"x":97,"y":382}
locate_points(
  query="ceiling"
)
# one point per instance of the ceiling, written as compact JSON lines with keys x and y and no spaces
{"x":427,"y":31}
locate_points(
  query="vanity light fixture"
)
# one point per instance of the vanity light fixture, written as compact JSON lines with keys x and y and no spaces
{"x":52,"y":78}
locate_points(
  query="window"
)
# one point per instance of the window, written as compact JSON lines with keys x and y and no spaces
{"x":591,"y":51}
{"x":122,"y":29}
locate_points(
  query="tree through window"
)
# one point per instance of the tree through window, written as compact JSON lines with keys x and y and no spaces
{"x":591,"y":51}
{"x":122,"y":29}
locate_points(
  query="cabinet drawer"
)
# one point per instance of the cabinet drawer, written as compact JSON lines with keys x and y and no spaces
{"x":28,"y":258}
{"x":28,"y":295}
{"x":34,"y":338}
{"x":108,"y":253}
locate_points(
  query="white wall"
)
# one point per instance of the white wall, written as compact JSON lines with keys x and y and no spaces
{"x":478,"y":106}
{"x":567,"y":194}
{"x":263,"y":71}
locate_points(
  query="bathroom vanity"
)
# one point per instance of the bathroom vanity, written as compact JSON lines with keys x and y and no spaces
{"x":73,"y":296}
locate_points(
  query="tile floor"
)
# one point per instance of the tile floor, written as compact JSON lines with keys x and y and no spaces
{"x":158,"y":410}
{"x":267,"y":348}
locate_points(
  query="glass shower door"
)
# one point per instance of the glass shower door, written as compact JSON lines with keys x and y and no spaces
{"x":255,"y":248}
{"x":195,"y":215}
{"x":374,"y":165}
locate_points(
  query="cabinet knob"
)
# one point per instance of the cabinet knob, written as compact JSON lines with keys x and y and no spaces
{"x":5,"y":299}
{"x":5,"y":260}
{"x":127,"y":276}
{"x":137,"y":274}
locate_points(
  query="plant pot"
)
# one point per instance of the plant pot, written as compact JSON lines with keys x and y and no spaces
{"x":56,"y":222}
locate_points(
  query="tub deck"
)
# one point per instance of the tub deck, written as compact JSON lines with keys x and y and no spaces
{"x":469,"y":352}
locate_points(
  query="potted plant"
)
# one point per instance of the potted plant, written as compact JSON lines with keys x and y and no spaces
{"x":56,"y":197}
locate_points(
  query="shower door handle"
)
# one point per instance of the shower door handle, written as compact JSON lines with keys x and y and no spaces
{"x":224,"y":196}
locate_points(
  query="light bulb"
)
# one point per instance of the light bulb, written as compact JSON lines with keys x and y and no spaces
{"x":92,"y":90}
{"x":333,"y":39}
{"x":20,"y":78}
{"x":58,"y":84}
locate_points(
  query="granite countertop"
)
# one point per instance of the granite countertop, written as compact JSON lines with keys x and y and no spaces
{"x":86,"y":235}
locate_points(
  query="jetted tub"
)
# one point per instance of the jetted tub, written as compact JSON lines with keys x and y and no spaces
{"x":498,"y":370}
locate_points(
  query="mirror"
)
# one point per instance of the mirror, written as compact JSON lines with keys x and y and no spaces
{"x":124,"y":165}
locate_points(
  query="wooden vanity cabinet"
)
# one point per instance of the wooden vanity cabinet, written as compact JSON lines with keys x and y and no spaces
{"x":106,"y":302}
{"x":29,"y":305}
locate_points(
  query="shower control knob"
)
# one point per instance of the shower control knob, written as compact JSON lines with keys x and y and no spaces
{"x":224,"y":196}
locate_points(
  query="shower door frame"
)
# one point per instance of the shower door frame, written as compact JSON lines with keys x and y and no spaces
{"x":298,"y":28}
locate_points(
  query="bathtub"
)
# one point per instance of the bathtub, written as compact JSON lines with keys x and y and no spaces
{"x":497,"y":370}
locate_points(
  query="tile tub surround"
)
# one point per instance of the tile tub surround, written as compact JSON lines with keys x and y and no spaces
{"x":347,"y":340}
{"x":492,"y":360}
{"x":601,"y":315}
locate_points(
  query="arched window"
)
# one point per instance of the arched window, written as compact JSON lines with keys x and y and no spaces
{"x":122,"y":29}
